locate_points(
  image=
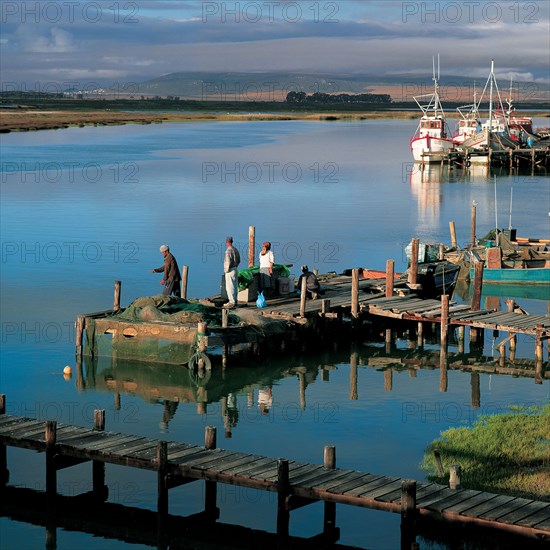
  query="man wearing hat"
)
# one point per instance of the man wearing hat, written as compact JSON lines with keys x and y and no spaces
{"x":172,"y":276}
{"x":231,"y":261}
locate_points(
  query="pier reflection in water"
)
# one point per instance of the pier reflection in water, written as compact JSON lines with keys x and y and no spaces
{"x":170,"y":385}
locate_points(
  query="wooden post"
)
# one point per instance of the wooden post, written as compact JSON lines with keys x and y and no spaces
{"x":79,"y":336}
{"x":420,"y":334}
{"x":473,"y":226}
{"x":303,"y":296}
{"x":184,"y":280}
{"x":444,"y":319}
{"x":510,"y":304}
{"x":539,"y":351}
{"x":390,"y":275}
{"x":325,"y":306}
{"x":389,"y":340}
{"x":51,"y":471}
{"x":453,"y":234}
{"x":355,"y":295}
{"x":99,"y":488}
{"x":2,"y":403}
{"x":210,"y":487}
{"x":251,"y":245}
{"x":461,"y":330}
{"x":315,"y":272}
{"x":353,"y":376}
{"x":455,"y":472}
{"x":413,"y":270}
{"x":476,"y":392}
{"x":116,"y":301}
{"x":283,"y":515}
{"x":443,"y":379}
{"x":329,"y":519}
{"x":388,"y":379}
{"x":441,"y":252}
{"x":408,"y":513}
{"x":475,"y":334}
{"x":162,"y":497}
{"x":225,"y":318}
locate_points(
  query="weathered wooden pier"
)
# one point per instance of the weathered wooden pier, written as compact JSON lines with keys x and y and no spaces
{"x":534,"y":157}
{"x":351,"y":305}
{"x":296,"y":484}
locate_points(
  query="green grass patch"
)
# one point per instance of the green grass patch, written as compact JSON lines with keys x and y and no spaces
{"x":504,"y":453}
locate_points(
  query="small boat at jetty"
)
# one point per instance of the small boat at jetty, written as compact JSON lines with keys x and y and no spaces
{"x":432,"y":138}
{"x":507,"y":260}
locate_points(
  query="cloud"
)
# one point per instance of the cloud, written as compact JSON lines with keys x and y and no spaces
{"x":148,"y":38}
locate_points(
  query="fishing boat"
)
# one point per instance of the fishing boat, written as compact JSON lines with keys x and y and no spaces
{"x":468,"y":124}
{"x":526,"y":267}
{"x":432,"y":138}
{"x":494,"y":134}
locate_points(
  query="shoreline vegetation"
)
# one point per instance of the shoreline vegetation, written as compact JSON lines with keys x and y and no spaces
{"x":502,"y":453}
{"x":28,"y":120}
{"x":51,"y":117}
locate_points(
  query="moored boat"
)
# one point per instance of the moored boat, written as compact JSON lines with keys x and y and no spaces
{"x":432,"y":139}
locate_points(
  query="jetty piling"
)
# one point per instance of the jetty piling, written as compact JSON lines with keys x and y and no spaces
{"x":296,"y":484}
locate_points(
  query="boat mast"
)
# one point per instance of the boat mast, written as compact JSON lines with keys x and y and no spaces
{"x":491,"y":77}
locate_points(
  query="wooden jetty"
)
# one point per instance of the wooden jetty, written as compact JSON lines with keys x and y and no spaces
{"x":534,"y":157}
{"x":350,"y":304}
{"x":296,"y":484}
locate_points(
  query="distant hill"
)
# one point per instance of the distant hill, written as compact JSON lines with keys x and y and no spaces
{"x":275,"y":86}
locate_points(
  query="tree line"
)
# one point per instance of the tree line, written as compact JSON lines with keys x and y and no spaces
{"x":318,"y":97}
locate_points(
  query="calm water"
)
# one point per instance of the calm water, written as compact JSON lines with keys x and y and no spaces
{"x":83,"y":207}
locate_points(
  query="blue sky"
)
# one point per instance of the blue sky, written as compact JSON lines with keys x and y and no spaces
{"x":112,"y":42}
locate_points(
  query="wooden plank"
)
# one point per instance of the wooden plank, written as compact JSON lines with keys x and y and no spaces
{"x":536,"y":518}
{"x":133,"y":452}
{"x":369,"y":484}
{"x":318,"y":478}
{"x":221,"y":459}
{"x":470,"y":503}
{"x":175,"y":455}
{"x":505,"y":509}
{"x":381,"y":492}
{"x":16,"y":428}
{"x":459,"y":498}
{"x":186,"y":456}
{"x":206,"y":456}
{"x":306,"y":473}
{"x":239,"y":464}
{"x":146,"y":454}
{"x":350,"y":476}
{"x":73,"y":432}
{"x":425,"y":501}
{"x":544,"y":525}
{"x":19,"y":431}
{"x":329,"y":482}
{"x":525,"y":511}
{"x":243,"y":470}
{"x":486,"y":506}
{"x":381,"y":487}
{"x":84,"y":440}
{"x":354,"y":483}
{"x":7,"y":419}
{"x":107,"y":443}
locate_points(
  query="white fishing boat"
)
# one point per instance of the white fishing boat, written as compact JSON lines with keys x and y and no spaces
{"x":494,"y":134}
{"x":468,"y":124}
{"x":431,"y":140}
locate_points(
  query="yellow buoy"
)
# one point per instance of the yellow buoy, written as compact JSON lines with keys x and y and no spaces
{"x":67,"y":370}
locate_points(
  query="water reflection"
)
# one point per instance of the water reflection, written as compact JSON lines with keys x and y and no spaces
{"x":247,"y":387}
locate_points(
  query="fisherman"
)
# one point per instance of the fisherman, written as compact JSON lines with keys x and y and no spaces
{"x":231,"y":261}
{"x":172,"y":277}
{"x":313,"y":288}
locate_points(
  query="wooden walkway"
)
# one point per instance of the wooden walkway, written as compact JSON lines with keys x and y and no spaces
{"x":296,"y":483}
{"x":345,"y":298}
